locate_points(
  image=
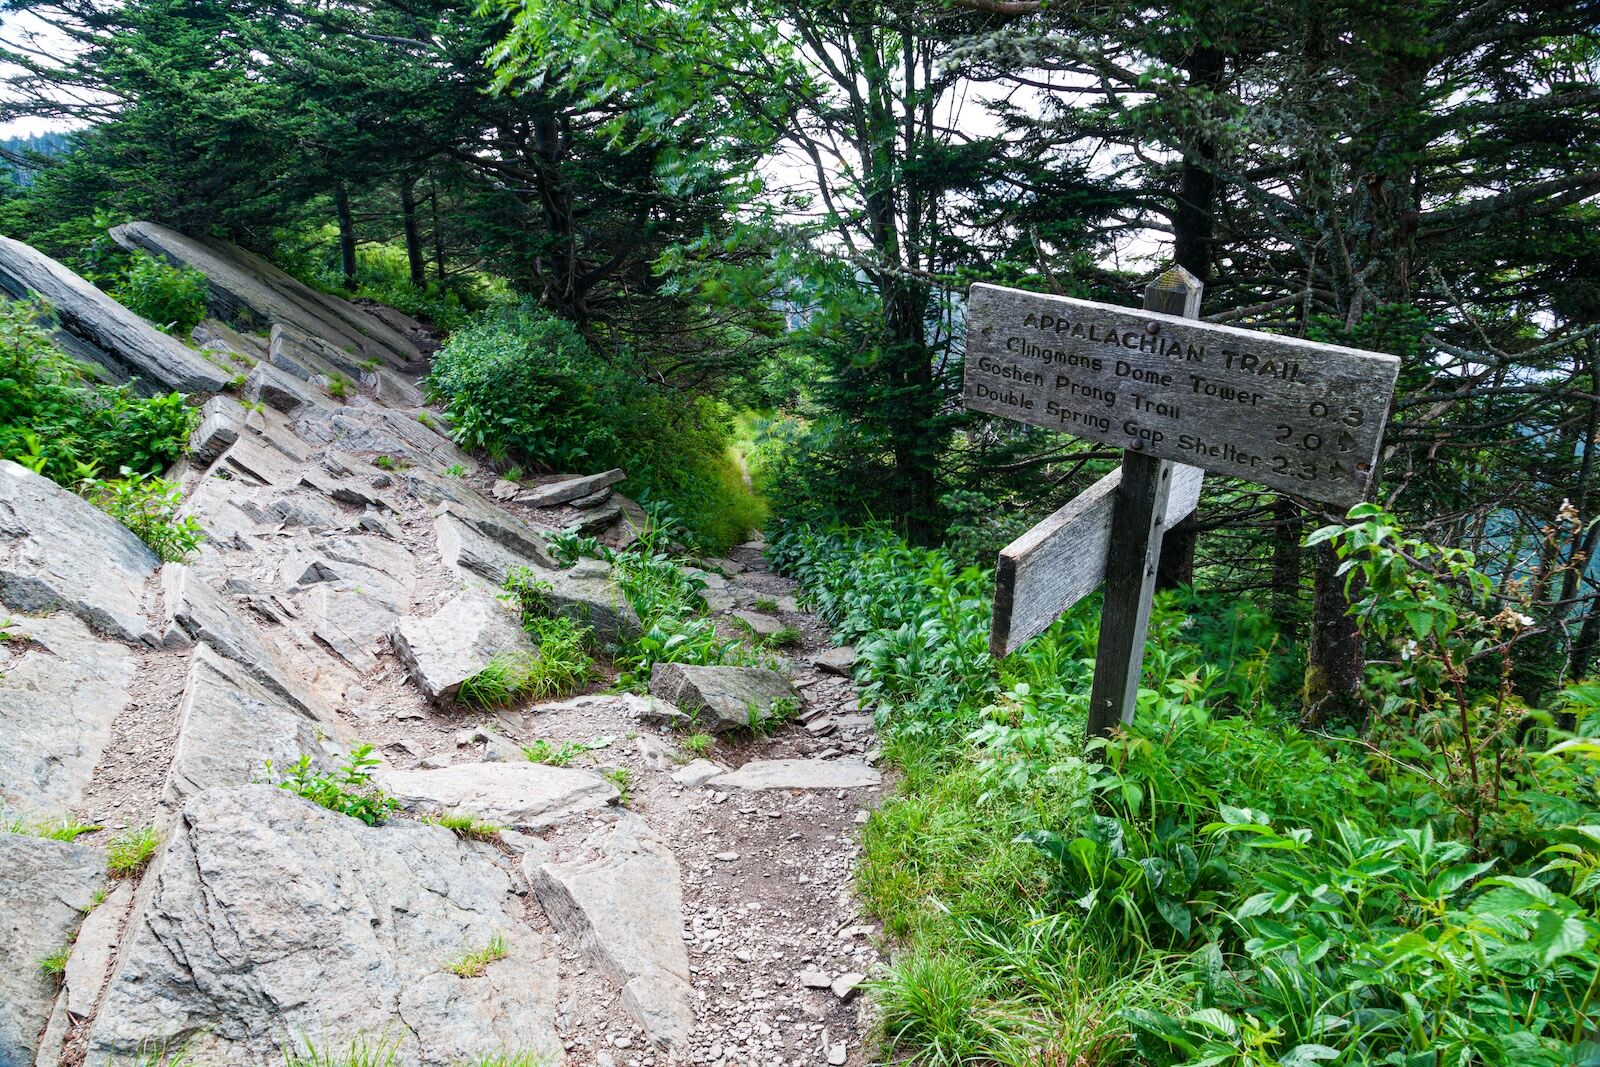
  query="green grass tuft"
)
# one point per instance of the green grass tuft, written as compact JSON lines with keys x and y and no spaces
{"x":473,"y":964}
{"x":130,"y":852}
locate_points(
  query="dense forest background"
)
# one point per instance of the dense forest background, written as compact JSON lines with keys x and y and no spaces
{"x":704,"y":239}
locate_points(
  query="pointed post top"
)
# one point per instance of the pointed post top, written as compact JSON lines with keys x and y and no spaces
{"x":1175,"y":292}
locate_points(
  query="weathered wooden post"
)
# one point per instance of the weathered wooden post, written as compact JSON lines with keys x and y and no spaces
{"x":1170,"y":391}
{"x":1136,"y":529}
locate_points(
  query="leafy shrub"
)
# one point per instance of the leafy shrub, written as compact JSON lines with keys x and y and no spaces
{"x":173,"y":298}
{"x":59,"y":423}
{"x":348,"y":790}
{"x":148,"y":506}
{"x":523,"y":385}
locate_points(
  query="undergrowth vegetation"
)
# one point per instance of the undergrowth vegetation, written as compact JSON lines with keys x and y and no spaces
{"x":1214,"y":885}
{"x":347,"y":789}
{"x":527,"y":388}
{"x":172,"y":298}
{"x":666,"y":595}
{"x":56,"y":420}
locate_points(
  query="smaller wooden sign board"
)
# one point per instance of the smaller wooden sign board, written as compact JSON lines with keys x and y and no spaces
{"x":1063,"y":559}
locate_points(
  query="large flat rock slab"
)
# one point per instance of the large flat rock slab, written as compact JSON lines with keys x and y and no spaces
{"x":799,"y":774}
{"x":230,"y":725}
{"x":446,"y":648}
{"x":45,"y":887}
{"x":619,"y":897}
{"x":60,"y":552}
{"x":63,"y":689}
{"x":721,"y":698}
{"x":251,"y":293}
{"x":523,"y":796}
{"x":114,"y":337}
{"x":269,"y":923}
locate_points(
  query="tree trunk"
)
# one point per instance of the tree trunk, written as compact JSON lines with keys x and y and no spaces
{"x":347,"y":235}
{"x":1286,"y":527}
{"x":438,"y":231}
{"x":1332,"y":693}
{"x":1193,"y":229}
{"x":408,"y":215}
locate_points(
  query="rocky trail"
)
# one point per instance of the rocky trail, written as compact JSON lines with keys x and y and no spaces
{"x":633,"y":903}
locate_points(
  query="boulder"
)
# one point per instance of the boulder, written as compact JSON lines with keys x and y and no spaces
{"x":799,"y":774}
{"x":840,"y":660}
{"x":45,"y":887}
{"x":230,"y":726}
{"x":446,"y":648}
{"x":282,"y":391}
{"x":620,"y":899}
{"x":251,"y":293}
{"x":512,"y":793}
{"x":721,"y":698}
{"x":126,"y":345}
{"x":62,"y":691}
{"x":58,"y":551}
{"x":584,"y":592}
{"x":267,"y":923}
{"x":553,"y":493}
{"x":221,"y":421}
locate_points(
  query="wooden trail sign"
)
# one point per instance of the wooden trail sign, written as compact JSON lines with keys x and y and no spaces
{"x":1299,"y":416}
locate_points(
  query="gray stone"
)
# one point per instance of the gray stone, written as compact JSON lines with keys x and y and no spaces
{"x":209,"y":618}
{"x":44,"y":888}
{"x":281,"y":391}
{"x":840,"y":660}
{"x":518,"y":794}
{"x":504,"y":490}
{"x":593,"y":500}
{"x":490,"y":521}
{"x":814,"y":979}
{"x":218,"y":334}
{"x":446,"y":648}
{"x":58,"y":551}
{"x":799,"y":774}
{"x":698,"y":772}
{"x":110,"y":334}
{"x":249,"y":292}
{"x":620,"y":899}
{"x":838,"y":1054}
{"x":230,"y":726}
{"x":61,"y":693}
{"x":544,"y":496}
{"x":584,"y":592}
{"x":847,"y":985}
{"x":90,"y":961}
{"x":761,"y":625}
{"x":721,"y":698}
{"x":598,"y":519}
{"x":221,"y":420}
{"x":268,"y":922}
{"x":656,"y":753}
